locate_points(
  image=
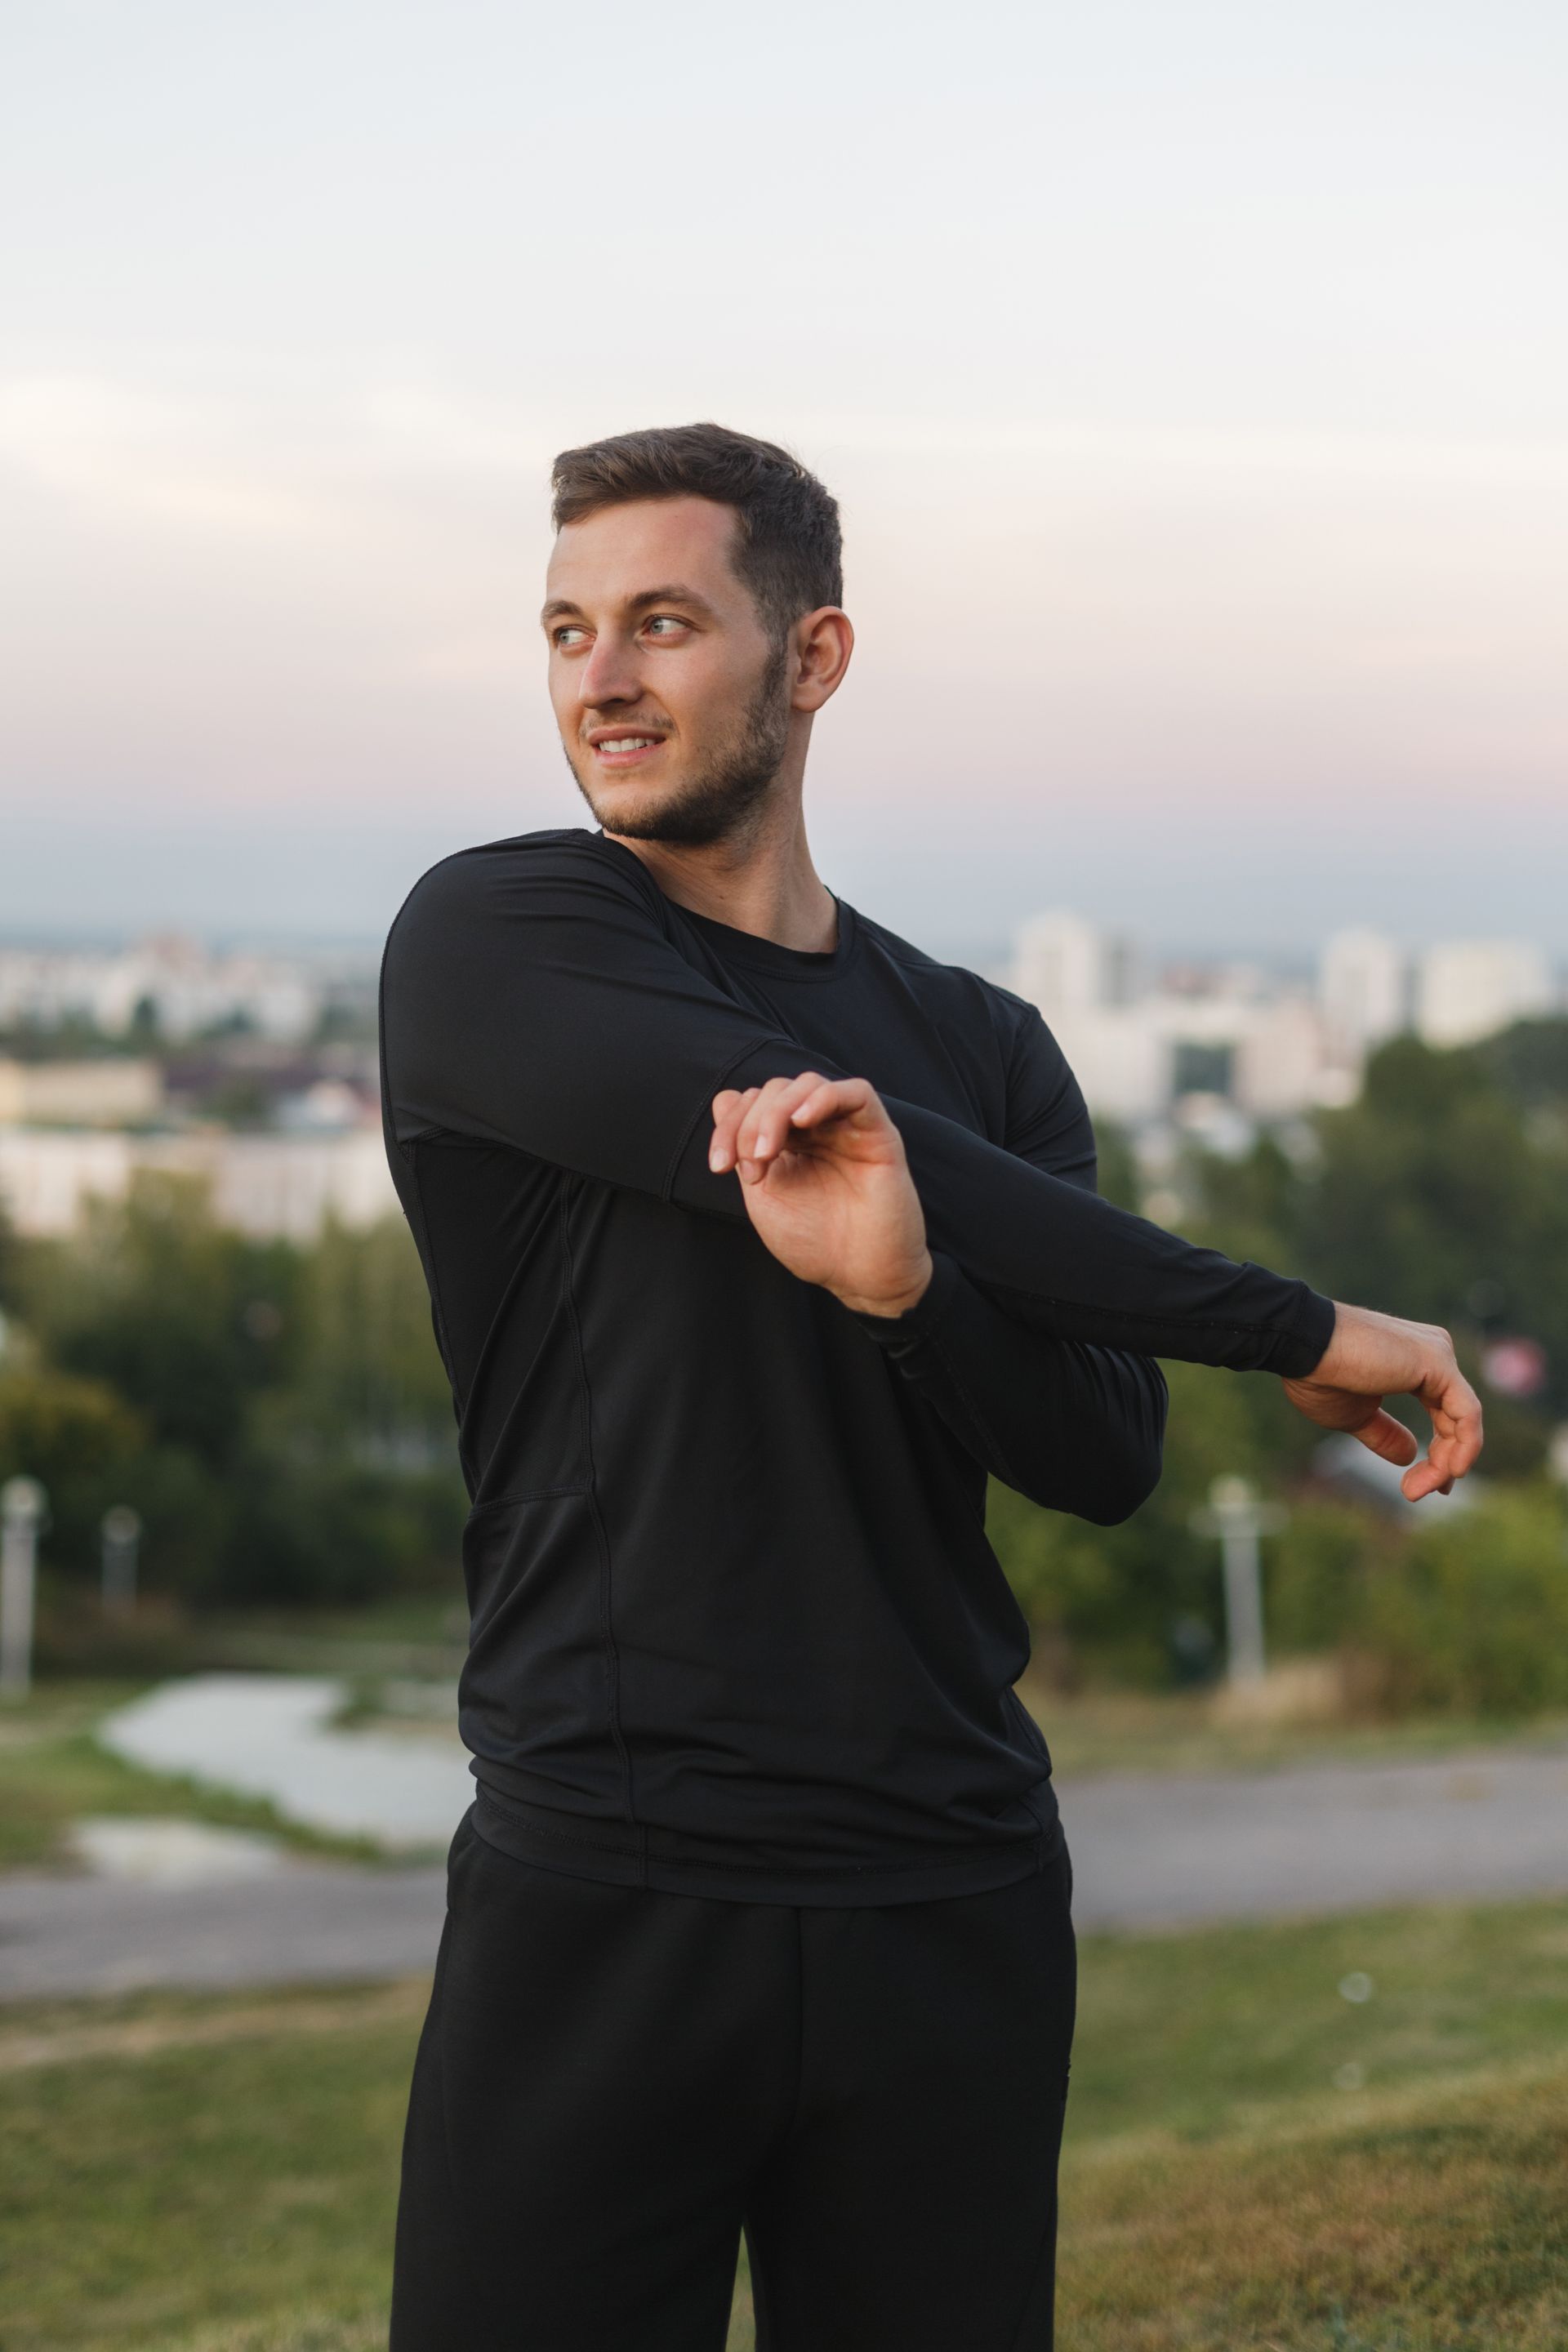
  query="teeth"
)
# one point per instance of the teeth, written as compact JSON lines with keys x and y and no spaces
{"x":629,"y":743}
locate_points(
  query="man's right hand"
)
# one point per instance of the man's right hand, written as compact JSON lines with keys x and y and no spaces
{"x":1371,"y":1356}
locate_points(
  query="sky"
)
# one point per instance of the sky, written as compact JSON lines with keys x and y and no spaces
{"x":1194,"y":380}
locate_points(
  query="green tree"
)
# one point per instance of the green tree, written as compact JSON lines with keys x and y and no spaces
{"x":185,"y":1320}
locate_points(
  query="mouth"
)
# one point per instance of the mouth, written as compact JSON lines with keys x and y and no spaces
{"x":627,"y":748}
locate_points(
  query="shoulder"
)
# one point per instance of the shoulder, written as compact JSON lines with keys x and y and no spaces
{"x":1044,"y":1118}
{"x":951,"y":990}
{"x":1011,"y":1021}
{"x":1039,"y":1112}
{"x":528,"y":874}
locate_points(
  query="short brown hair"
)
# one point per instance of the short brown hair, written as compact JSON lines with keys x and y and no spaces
{"x":788,"y":549}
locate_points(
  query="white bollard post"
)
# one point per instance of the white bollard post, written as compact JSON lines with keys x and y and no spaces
{"x":22,"y":1502}
{"x":1237,"y":1518}
{"x":120,"y":1529}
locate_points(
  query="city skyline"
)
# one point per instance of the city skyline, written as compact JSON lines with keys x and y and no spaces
{"x":258,"y":1075}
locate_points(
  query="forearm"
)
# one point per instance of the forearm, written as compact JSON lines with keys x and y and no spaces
{"x":1074,"y":1426}
{"x":1060,"y":1261}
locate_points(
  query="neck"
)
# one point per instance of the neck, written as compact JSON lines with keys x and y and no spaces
{"x":761,"y":880}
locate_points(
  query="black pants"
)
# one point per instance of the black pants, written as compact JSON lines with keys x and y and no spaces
{"x":612,"y":2083}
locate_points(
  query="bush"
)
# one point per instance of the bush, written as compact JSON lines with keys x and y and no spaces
{"x":1473,"y":1617}
{"x":333,"y":1532}
{"x":55,"y":1427}
{"x":1317,"y":1572}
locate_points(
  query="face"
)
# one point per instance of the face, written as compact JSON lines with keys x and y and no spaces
{"x":674,"y":703}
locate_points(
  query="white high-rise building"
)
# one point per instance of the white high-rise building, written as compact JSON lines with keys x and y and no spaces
{"x":1364,"y":989}
{"x":1467,"y":989}
{"x":1134,"y":1047}
{"x":1065,"y":964}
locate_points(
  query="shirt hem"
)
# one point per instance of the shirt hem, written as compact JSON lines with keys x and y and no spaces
{"x":845,"y":1887}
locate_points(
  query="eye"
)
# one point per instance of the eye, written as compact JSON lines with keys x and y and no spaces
{"x":567,"y":636}
{"x":666,"y":623}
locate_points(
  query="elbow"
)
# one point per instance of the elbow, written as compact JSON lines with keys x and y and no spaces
{"x":1130,"y":1467}
{"x":1105,"y":1491}
{"x":1126,"y":1487}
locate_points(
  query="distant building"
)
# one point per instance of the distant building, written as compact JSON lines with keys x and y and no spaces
{"x":1229,"y":1032}
{"x":178,"y":984}
{"x":79,"y":1094}
{"x":264,"y":1185}
{"x":1236,"y":1034}
{"x":1363,"y":991}
{"x":1470,"y":989}
{"x":1066,"y":965}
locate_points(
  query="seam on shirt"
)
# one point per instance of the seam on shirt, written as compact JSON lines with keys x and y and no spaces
{"x":1131,"y":1315}
{"x":1003,"y":1459}
{"x":607,"y":1619}
{"x":929,"y":1336}
{"x":422,"y":1239}
{"x":533,"y":1495}
{"x":557,"y":1837}
{"x":754,"y":1045}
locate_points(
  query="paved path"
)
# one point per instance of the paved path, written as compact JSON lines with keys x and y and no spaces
{"x":311,"y":1923}
{"x":1147,"y":1852}
{"x":271,"y":1736}
{"x":1325,"y":1837}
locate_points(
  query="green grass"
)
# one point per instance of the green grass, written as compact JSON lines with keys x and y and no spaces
{"x":202,"y":2192}
{"x":1428,"y":2221}
{"x":1254,"y":2160}
{"x":217,"y":2174}
{"x":52,"y":1772}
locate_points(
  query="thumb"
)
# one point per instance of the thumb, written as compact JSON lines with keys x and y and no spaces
{"x":1390,"y":1438}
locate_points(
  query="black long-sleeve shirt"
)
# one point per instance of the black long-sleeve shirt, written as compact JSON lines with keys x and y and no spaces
{"x":736,"y":1628}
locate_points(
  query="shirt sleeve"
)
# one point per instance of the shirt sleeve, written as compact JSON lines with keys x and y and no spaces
{"x":1071,"y":1424}
{"x":533,"y":995}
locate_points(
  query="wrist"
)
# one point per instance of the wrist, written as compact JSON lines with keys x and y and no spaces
{"x":889,"y":1308}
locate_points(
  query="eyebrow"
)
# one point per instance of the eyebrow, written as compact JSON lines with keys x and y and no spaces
{"x":672,"y":593}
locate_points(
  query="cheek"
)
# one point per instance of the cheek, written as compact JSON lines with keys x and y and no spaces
{"x":562,"y":687}
{"x":705,"y":697}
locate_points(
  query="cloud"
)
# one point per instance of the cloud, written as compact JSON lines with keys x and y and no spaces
{"x":128,"y":457}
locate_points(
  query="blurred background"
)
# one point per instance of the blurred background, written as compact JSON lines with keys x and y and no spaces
{"x":1192,"y":386}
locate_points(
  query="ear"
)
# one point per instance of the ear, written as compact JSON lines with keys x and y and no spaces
{"x":822,"y":643}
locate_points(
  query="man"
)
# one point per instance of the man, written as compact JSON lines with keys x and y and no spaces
{"x":755,"y":1240}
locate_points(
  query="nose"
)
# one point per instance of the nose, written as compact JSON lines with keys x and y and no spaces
{"x":609,"y":674}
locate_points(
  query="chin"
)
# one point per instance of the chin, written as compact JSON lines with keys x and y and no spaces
{"x":638,"y":814}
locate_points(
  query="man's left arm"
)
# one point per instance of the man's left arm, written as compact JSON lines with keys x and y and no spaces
{"x":1074,"y":1425}
{"x":1070,"y":1423}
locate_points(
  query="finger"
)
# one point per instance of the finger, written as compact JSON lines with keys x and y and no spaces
{"x":765,"y":1125}
{"x":729,"y":1109}
{"x":1457,"y":1428}
{"x":836,"y":1099}
{"x":1390,"y":1438}
{"x":1454,"y":1448}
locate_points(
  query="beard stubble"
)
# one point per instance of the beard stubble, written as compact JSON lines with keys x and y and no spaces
{"x":720,"y":796}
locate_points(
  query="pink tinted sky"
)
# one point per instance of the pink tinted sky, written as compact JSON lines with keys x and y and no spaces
{"x":1192,"y":382}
